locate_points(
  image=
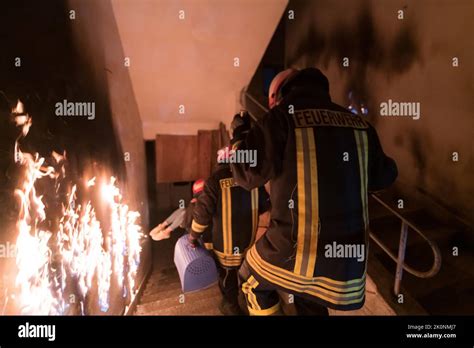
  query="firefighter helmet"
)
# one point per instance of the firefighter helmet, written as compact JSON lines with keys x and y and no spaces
{"x":198,"y":187}
{"x":274,"y":92}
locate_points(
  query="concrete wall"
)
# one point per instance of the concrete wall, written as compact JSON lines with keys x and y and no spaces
{"x":97,"y":41}
{"x":407,"y":60}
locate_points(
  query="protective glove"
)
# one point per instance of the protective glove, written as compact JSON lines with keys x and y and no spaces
{"x":160,"y":232}
{"x":240,"y":124}
{"x":193,"y":241}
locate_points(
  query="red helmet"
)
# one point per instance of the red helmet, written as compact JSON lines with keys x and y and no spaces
{"x":274,"y":92}
{"x":198,"y":186}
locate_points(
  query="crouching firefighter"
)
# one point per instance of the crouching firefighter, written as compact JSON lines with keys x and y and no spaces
{"x":182,"y":217}
{"x":321,"y":161}
{"x":233,"y":212}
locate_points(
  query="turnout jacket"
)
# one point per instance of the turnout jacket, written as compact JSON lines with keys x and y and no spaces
{"x":188,"y":219}
{"x":233,"y":212}
{"x":322,"y":161}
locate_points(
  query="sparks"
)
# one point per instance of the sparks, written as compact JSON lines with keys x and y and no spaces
{"x":79,"y":252}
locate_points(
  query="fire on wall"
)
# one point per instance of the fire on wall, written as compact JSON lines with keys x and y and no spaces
{"x":110,"y":110}
{"x":73,"y":240}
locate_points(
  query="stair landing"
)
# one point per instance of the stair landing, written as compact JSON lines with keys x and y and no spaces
{"x":162,"y":294}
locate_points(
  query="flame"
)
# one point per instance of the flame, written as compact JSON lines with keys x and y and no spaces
{"x":357,"y":108}
{"x":82,"y":254}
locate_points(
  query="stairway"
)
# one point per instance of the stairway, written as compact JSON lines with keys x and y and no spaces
{"x":450,"y":291}
{"x":162,"y":294}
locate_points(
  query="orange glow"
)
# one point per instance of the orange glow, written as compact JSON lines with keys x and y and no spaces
{"x":82,"y":252}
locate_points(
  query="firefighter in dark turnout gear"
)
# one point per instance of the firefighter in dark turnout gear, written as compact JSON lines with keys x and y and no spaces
{"x":182,"y":217}
{"x":233,"y":212}
{"x":321,"y":161}
{"x":198,"y":188}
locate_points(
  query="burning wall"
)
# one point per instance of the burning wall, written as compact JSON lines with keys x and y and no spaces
{"x":409,"y":59}
{"x":60,"y":60}
{"x":61,"y":264}
{"x":104,"y":56}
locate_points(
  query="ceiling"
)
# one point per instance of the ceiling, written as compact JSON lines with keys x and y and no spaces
{"x":190,"y":61}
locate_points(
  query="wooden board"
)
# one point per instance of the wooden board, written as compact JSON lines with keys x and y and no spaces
{"x":216,"y":144}
{"x":176,"y":158}
{"x":205,"y":153}
{"x":188,"y":157}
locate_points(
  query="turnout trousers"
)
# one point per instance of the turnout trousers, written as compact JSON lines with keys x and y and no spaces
{"x":262,"y":298}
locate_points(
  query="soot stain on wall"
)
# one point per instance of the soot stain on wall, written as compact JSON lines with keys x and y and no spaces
{"x":360,"y":41}
{"x":387,"y":52}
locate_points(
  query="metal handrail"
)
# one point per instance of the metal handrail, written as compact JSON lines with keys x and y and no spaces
{"x":400,"y":258}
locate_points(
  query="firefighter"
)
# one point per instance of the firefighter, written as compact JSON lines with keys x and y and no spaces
{"x":321,"y":161}
{"x":198,"y":188}
{"x":233,"y":212}
{"x":182,"y":217}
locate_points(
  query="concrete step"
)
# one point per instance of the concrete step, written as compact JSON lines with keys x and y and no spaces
{"x":383,"y":277}
{"x":165,"y":273}
{"x":155,"y":285}
{"x":456,"y":298}
{"x":157,"y":276}
{"x":160,"y":285}
{"x":444,"y":293}
{"x":173,"y":300}
{"x":160,"y":295}
{"x":208,"y":306}
{"x":388,"y":231}
{"x":377,"y":211}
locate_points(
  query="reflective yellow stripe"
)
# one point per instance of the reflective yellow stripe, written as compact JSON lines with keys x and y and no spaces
{"x":227,"y":220}
{"x":254,"y":200}
{"x":262,"y":312}
{"x":196,"y":227}
{"x":301,"y":198}
{"x":362,"y":154}
{"x":230,"y":263}
{"x":247,"y":289}
{"x":224,"y":219}
{"x":308,"y":205}
{"x":314,"y":205}
{"x":229,"y":260}
{"x":336,"y":285}
{"x":226,"y":260}
{"x":366,"y":208}
{"x":228,"y":256}
{"x":366,"y":171}
{"x":236,"y":145}
{"x":329,"y":296}
{"x":253,"y":299}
